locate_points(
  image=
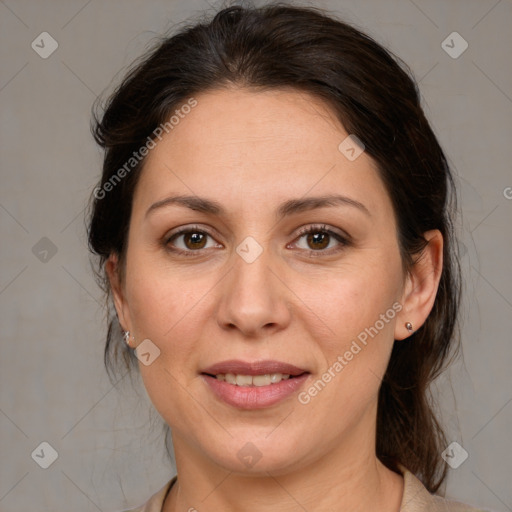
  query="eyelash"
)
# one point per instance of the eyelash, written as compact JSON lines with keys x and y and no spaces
{"x":343,"y":241}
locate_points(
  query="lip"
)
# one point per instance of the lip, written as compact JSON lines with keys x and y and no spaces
{"x":255,"y":368}
{"x":254,"y":397}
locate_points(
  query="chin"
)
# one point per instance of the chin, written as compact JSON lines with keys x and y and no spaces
{"x":257,"y":455}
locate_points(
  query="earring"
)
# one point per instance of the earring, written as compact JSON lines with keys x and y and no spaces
{"x":126,"y":337}
{"x":408,"y":326}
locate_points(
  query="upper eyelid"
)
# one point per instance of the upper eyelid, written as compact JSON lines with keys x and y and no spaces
{"x":322,"y":227}
{"x":302,"y":231}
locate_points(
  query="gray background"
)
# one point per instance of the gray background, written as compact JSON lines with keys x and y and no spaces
{"x":53,"y":386}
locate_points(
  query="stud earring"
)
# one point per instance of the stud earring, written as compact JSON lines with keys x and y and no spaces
{"x":408,"y":326}
{"x":126,"y":337}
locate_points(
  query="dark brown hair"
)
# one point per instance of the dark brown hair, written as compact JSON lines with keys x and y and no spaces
{"x":374,"y":96}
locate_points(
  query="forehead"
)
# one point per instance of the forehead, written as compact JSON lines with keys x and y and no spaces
{"x":274,"y":122}
{"x":245,"y":146}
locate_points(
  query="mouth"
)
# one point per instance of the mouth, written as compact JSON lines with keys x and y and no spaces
{"x":265,"y":379}
{"x":253,"y":385}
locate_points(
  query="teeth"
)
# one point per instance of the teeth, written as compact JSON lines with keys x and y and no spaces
{"x":250,"y":380}
{"x":243,"y":380}
{"x":264,"y":380}
{"x":230,"y":378}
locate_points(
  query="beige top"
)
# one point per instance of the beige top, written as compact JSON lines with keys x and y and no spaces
{"x":416,"y":498}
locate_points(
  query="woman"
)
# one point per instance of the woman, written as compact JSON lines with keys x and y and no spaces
{"x":274,"y":226}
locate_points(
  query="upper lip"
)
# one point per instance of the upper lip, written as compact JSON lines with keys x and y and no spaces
{"x":239,"y":367}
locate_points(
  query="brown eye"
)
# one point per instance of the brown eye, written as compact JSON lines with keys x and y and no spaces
{"x":194,"y":240}
{"x":189,"y":241}
{"x":318,"y":240}
{"x":321,"y":240}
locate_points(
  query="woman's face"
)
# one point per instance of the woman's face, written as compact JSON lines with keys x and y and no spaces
{"x":244,"y":284}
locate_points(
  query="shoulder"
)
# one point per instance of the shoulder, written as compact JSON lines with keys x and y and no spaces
{"x":155,"y":503}
{"x":416,"y":498}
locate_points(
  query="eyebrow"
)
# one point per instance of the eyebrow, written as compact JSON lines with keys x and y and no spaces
{"x":287,"y":208}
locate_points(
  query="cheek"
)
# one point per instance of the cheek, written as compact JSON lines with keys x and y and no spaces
{"x":164,"y":312}
{"x":358,"y":311}
{"x":352,"y":299}
{"x":158,"y":295}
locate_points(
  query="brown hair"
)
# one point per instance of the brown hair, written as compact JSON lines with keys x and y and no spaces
{"x":375,"y":98}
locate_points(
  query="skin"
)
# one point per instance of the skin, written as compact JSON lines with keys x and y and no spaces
{"x":250,"y":151}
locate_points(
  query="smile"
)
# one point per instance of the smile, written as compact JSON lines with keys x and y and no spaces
{"x":253,"y":385}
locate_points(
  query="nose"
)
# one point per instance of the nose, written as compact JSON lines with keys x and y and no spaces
{"x":254,"y":298}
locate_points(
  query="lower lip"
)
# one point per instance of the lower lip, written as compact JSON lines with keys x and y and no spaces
{"x":254,"y":397}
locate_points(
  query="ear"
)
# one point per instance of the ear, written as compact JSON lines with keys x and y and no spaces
{"x":120,"y":303}
{"x":421,"y":285}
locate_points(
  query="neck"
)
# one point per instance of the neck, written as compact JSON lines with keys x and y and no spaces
{"x":347,"y":477}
